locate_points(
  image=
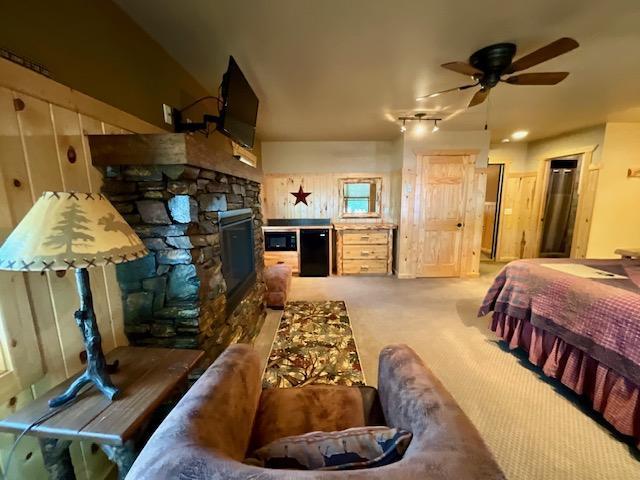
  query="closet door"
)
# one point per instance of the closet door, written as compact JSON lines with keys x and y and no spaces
{"x":441,"y":192}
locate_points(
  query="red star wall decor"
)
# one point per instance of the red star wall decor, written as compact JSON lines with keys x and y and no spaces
{"x":301,"y":196}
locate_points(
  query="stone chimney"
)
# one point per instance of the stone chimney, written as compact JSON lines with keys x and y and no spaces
{"x":176,"y":296}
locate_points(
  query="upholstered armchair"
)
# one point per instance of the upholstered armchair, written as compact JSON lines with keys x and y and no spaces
{"x":226,"y":414}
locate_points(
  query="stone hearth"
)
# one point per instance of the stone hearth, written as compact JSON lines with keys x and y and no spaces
{"x":175,"y":296}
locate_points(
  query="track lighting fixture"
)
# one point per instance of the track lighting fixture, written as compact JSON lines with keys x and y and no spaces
{"x":420,"y":128}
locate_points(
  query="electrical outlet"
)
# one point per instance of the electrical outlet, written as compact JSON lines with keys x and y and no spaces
{"x":167,"y":112}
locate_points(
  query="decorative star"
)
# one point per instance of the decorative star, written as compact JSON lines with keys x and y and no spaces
{"x":301,"y":196}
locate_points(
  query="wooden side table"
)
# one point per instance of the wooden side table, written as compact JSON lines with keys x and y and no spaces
{"x":146,"y":376}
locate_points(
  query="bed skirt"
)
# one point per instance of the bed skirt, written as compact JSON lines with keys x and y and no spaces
{"x":612,"y":395}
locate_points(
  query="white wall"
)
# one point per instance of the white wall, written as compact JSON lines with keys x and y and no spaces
{"x":329,"y":157}
{"x":616,"y":216}
{"x":512,"y":154}
{"x":564,"y":144}
{"x":415,"y":145}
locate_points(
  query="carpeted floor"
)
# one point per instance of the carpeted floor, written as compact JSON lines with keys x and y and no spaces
{"x":535,"y":428}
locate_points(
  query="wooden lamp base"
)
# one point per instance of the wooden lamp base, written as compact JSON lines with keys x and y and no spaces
{"x":96,"y":371}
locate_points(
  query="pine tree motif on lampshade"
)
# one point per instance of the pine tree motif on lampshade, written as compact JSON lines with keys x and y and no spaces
{"x":70,"y":230}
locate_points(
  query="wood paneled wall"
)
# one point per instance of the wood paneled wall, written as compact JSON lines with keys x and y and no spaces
{"x":324,"y":201}
{"x":40,"y":121}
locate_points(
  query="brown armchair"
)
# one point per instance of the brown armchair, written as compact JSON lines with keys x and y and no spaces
{"x":226,"y":414}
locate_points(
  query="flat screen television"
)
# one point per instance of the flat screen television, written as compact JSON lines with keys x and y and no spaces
{"x":239,"y":107}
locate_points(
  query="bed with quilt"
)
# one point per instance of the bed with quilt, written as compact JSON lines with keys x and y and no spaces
{"x":579,"y":321}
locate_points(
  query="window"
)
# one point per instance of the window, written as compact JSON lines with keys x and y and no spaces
{"x":360,"y":197}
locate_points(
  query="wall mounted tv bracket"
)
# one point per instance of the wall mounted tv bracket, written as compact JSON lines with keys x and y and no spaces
{"x":182,"y":126}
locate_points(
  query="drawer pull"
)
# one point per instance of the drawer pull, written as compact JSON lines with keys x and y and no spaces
{"x":364,"y":267}
{"x":364,"y":252}
{"x":364,"y":237}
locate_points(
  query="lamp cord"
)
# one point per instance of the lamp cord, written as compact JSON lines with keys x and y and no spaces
{"x":52,"y":412}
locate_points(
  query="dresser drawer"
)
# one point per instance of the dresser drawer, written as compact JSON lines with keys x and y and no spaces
{"x":356,"y":252}
{"x":364,"y":266}
{"x":365,"y":238}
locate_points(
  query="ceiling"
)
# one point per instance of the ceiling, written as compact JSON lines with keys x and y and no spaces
{"x":343,"y":70}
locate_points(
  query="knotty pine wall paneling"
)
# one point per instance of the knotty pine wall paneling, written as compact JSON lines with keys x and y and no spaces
{"x":324,"y":201}
{"x":41,"y":121}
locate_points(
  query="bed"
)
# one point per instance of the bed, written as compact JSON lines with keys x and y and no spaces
{"x":579,"y":321}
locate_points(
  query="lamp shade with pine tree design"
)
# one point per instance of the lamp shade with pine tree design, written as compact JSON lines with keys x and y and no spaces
{"x":70,"y":230}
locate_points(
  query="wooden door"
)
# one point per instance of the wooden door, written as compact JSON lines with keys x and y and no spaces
{"x":441,"y":192}
{"x":518,"y":226}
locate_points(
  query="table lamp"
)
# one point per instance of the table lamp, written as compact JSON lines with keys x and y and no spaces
{"x":71,"y":230}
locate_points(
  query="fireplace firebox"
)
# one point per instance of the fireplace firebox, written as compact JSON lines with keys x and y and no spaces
{"x":238,"y":257}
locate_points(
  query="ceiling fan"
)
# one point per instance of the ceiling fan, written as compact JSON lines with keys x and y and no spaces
{"x":488,"y":65}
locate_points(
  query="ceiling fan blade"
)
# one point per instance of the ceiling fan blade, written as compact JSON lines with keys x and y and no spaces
{"x":461,"y":67}
{"x":546,"y":78}
{"x":479,"y":97}
{"x":455,"y":89}
{"x":554,"y":49}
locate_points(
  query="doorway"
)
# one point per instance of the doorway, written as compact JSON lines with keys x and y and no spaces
{"x":561,"y":205}
{"x":491,"y":220}
{"x":441,"y":194}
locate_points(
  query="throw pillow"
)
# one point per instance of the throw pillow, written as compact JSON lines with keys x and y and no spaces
{"x":360,"y":447}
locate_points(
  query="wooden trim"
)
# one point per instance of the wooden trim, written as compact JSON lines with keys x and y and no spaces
{"x":585,"y":207}
{"x":506,"y":166}
{"x":377,"y":181}
{"x":587,"y":188}
{"x":23,"y":80}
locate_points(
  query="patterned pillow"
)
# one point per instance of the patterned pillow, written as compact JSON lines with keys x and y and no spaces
{"x":360,"y":447}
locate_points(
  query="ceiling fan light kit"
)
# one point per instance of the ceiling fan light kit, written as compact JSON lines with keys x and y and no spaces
{"x":489,"y":65}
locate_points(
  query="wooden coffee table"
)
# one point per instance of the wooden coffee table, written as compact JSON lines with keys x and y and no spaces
{"x":146,"y":377}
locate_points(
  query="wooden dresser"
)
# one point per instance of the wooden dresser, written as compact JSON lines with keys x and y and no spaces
{"x":364,"y":248}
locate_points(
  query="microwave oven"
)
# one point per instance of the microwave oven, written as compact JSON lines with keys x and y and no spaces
{"x":280,"y":241}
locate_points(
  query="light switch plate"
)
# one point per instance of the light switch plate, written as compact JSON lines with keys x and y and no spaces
{"x":167,"y":114}
{"x":508,"y":211}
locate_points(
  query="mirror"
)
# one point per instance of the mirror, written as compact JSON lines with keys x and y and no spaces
{"x":360,"y":197}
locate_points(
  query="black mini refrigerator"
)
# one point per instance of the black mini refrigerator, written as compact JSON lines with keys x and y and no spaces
{"x":314,"y":252}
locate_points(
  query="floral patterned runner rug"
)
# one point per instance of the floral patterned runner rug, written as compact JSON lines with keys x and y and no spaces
{"x":314,"y":344}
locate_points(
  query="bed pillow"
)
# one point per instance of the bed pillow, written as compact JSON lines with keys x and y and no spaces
{"x":360,"y":447}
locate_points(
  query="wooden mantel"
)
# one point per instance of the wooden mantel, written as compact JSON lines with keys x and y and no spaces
{"x":212,"y":153}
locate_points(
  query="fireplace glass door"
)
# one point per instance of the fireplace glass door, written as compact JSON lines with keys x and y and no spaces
{"x":238,"y":259}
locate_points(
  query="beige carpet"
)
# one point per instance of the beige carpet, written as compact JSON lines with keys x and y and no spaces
{"x":534,"y":432}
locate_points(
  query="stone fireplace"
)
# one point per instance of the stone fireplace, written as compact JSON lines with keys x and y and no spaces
{"x":201,"y":285}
